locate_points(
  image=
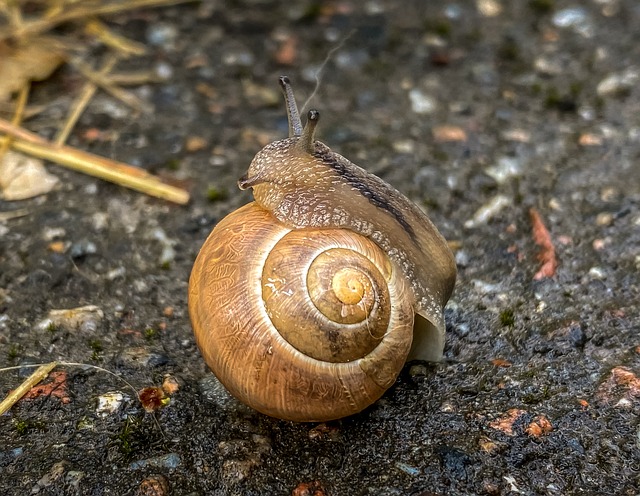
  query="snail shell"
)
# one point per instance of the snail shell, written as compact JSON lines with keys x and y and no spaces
{"x":306,"y":302}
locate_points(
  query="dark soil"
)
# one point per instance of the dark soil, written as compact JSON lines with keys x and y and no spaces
{"x":539,"y":390}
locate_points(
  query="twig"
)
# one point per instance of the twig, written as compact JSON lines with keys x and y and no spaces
{"x":23,"y":96}
{"x":93,"y":165}
{"x":123,"y":45}
{"x":107,"y":85}
{"x":14,"y":396}
{"x":58,"y":15}
{"x":14,"y":214}
{"x":82,"y":101}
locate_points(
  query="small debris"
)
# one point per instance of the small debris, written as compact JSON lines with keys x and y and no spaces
{"x":421,"y":103}
{"x":590,"y":139}
{"x":287,"y":51}
{"x":23,"y":177}
{"x":324,"y":431}
{"x":488,"y":211}
{"x":55,"y":474}
{"x":604,"y":219}
{"x":443,"y":134}
{"x":547,"y":255}
{"x":512,"y":484}
{"x":152,"y":399}
{"x":488,"y":445}
{"x":168,"y":253}
{"x":506,"y":168}
{"x":84,"y":319}
{"x":501,"y":362}
{"x":109,"y":403}
{"x":14,"y":396}
{"x":619,"y":83}
{"x":155,"y":485}
{"x":505,"y":423}
{"x":56,"y":387}
{"x":575,"y":18}
{"x":489,"y":8}
{"x":539,"y":426}
{"x":170,"y":385}
{"x":621,"y":388}
{"x":168,"y":461}
{"x":308,"y":489}
{"x":195,"y":144}
{"x":407,"y":469}
{"x":519,"y":135}
{"x":239,"y":470}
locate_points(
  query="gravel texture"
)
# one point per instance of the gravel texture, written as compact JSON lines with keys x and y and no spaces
{"x":485,"y":113}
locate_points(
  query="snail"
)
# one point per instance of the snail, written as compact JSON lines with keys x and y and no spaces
{"x":307,"y":302}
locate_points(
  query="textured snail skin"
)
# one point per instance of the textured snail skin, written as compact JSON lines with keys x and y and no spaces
{"x":254,"y":362}
{"x":307,"y":303}
{"x":323,"y":189}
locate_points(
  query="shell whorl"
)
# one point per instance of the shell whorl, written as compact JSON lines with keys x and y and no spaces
{"x":234,"y":327}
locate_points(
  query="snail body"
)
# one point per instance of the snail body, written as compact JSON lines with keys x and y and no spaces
{"x":306,"y":302}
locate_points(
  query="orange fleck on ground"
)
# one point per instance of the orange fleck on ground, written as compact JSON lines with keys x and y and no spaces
{"x":539,"y":426}
{"x":443,"y":134}
{"x":501,"y":362}
{"x":57,"y":386}
{"x":547,"y":254}
{"x":308,"y":489}
{"x":622,"y":381}
{"x":505,"y":423}
{"x":287,"y":52}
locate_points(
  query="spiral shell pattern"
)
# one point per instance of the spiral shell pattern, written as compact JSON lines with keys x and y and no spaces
{"x":304,"y":324}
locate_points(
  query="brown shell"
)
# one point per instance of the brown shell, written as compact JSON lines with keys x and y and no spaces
{"x":257,"y":363}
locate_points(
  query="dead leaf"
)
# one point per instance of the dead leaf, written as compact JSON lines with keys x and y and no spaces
{"x":33,"y":61}
{"x":23,"y":177}
{"x":542,"y":238}
{"x":57,"y":387}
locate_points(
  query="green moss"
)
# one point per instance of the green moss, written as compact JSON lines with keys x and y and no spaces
{"x":96,"y":348}
{"x":215,"y":194}
{"x":173,"y":165}
{"x":441,"y":27}
{"x":22,"y":426}
{"x":52,"y":327}
{"x":541,"y":6}
{"x":150,"y":333}
{"x":13,"y":352}
{"x":507,"y":318}
{"x":509,"y":50}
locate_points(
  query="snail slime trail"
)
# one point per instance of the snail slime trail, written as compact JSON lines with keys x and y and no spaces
{"x":307,"y":302}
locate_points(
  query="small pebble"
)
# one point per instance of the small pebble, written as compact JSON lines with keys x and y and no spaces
{"x":418,"y":370}
{"x":407,"y":469}
{"x":421,"y":103}
{"x":160,"y":34}
{"x":168,"y":461}
{"x":619,"y":83}
{"x":507,"y":167}
{"x":575,"y":18}
{"x":83,"y":248}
